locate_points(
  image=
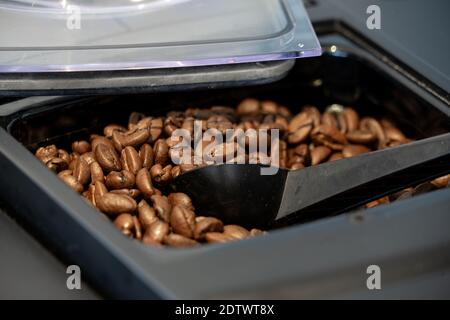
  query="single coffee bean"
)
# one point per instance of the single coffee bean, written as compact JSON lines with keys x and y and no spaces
{"x":82,"y":171}
{"x":135,"y":118}
{"x":161,"y":175}
{"x":46,"y":153}
{"x":329,"y":136}
{"x":180,"y":199}
{"x":120,"y":180}
{"x":157,"y":231}
{"x":161,"y":152}
{"x":130,"y":160}
{"x":156,"y":128}
{"x":205,"y":225}
{"x":88,"y":157}
{"x":352,"y":150}
{"x":108,"y":130}
{"x":96,"y":172}
{"x":361,"y":137}
{"x":247,"y":107}
{"x":257,"y":232}
{"x":132,"y":138}
{"x":162,"y":207}
{"x":146,"y":155}
{"x":56,"y":164}
{"x":99,"y":189}
{"x":175,"y":172}
{"x":81,"y":146}
{"x":297,"y":166}
{"x":424,"y":188}
{"x":394,"y":134}
{"x":65,"y":173}
{"x":300,"y":127}
{"x":124,"y":222}
{"x":64,"y":155}
{"x":352,"y":119}
{"x":107,"y":158}
{"x":319,"y":154}
{"x":72,"y":182}
{"x":147,"y":214}
{"x":218,"y":237}
{"x":134,"y":193}
{"x":268,"y":107}
{"x":235,"y":231}
{"x":336,"y":156}
{"x":176,"y":240}
{"x":372,"y":125}
{"x":182,"y":221}
{"x":144,"y":182}
{"x":441,"y":182}
{"x":111,"y":203}
{"x":97,"y":140}
{"x":137,"y":228}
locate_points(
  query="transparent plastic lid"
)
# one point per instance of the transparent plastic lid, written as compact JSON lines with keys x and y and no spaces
{"x":90,"y":35}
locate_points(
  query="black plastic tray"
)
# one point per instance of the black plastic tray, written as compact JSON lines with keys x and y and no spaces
{"x":276,"y":265}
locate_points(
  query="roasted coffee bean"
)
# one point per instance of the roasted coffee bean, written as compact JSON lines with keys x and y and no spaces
{"x":268,"y":107}
{"x":336,"y":156}
{"x":81,"y":146}
{"x":72,"y":182}
{"x":96,"y":172}
{"x":88,"y":157}
{"x":156,"y":127}
{"x":300,"y":127}
{"x":161,"y":152}
{"x":124,"y":222}
{"x":257,"y":232}
{"x":132,"y":138}
{"x":329,"y":136}
{"x":156,"y":232}
{"x":297,"y":166}
{"x":161,"y":175}
{"x":111,"y":203}
{"x":46,"y":153}
{"x":144,"y":182}
{"x":176,"y":240}
{"x":175,"y":172}
{"x":56,"y":164}
{"x":182,"y":221}
{"x":218,"y":237}
{"x":130,"y":160}
{"x":107,"y":157}
{"x":137,"y":228}
{"x":319,"y":154}
{"x":99,"y":190}
{"x":120,"y":180}
{"x":82,"y":171}
{"x":162,"y":207}
{"x":147,"y":214}
{"x":205,"y":225}
{"x":361,"y":137}
{"x":394,"y":134}
{"x":108,"y":130}
{"x":65,"y":173}
{"x":372,"y":125}
{"x":441,"y":182}
{"x":352,"y":119}
{"x":146,"y":155}
{"x":134,"y":193}
{"x":248,"y":107}
{"x":180,"y":199}
{"x":235,"y":231}
{"x":97,"y":140}
{"x":352,"y":150}
{"x":64,"y":155}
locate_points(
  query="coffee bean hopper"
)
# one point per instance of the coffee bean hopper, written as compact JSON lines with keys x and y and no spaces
{"x":99,"y":62}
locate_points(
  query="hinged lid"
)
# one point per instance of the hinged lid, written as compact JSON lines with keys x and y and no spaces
{"x":66,"y":36}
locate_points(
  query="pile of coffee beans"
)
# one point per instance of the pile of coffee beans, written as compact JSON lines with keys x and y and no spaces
{"x":438,"y":183}
{"x":125,"y":171}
